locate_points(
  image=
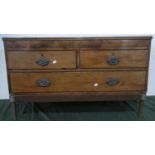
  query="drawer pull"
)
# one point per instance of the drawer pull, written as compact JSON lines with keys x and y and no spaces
{"x":42,"y":61}
{"x":113,"y":60}
{"x":43,"y":83}
{"x":113,"y":82}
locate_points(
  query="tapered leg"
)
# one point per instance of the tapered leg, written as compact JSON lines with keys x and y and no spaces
{"x":32,"y":107}
{"x":14,"y":111}
{"x":13,"y":107}
{"x":141,"y":108}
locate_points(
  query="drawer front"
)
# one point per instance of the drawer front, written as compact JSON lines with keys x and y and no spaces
{"x":41,"y":60}
{"x":114,"y":58}
{"x":48,"y":44}
{"x":77,"y":82}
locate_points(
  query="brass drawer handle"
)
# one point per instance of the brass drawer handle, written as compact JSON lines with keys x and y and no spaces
{"x":42,"y":61}
{"x":113,"y":82}
{"x":43,"y":83}
{"x":113,"y":60}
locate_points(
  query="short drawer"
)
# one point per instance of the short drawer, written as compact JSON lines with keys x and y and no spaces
{"x":114,"y":58}
{"x":77,"y":82}
{"x":41,"y":59}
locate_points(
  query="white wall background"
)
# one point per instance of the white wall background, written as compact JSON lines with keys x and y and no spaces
{"x":3,"y":75}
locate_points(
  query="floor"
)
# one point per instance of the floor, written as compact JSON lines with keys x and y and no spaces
{"x":94,"y":111}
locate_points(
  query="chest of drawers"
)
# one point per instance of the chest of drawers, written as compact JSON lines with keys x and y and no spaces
{"x":78,"y":69}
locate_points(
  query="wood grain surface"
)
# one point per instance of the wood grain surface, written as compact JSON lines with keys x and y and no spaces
{"x":47,"y":44}
{"x":78,"y":81}
{"x":81,"y":70}
{"x":27,"y":60}
{"x":127,"y":58}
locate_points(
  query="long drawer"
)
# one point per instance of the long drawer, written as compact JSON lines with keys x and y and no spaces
{"x":41,"y":59}
{"x":77,"y":81}
{"x":103,"y":43}
{"x":113,"y":58}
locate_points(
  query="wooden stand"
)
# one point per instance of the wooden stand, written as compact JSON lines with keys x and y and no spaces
{"x":14,"y":114}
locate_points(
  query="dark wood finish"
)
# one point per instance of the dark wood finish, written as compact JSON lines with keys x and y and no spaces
{"x":78,"y":81}
{"x":26,"y":60}
{"x":86,"y":69}
{"x":126,"y":58}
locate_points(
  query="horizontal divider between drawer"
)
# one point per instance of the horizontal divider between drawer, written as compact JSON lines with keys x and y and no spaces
{"x":66,"y":49}
{"x":40,"y":49}
{"x":79,"y":92}
{"x":74,"y":70}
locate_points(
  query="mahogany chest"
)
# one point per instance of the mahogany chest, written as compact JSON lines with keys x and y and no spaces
{"x":78,"y":69}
